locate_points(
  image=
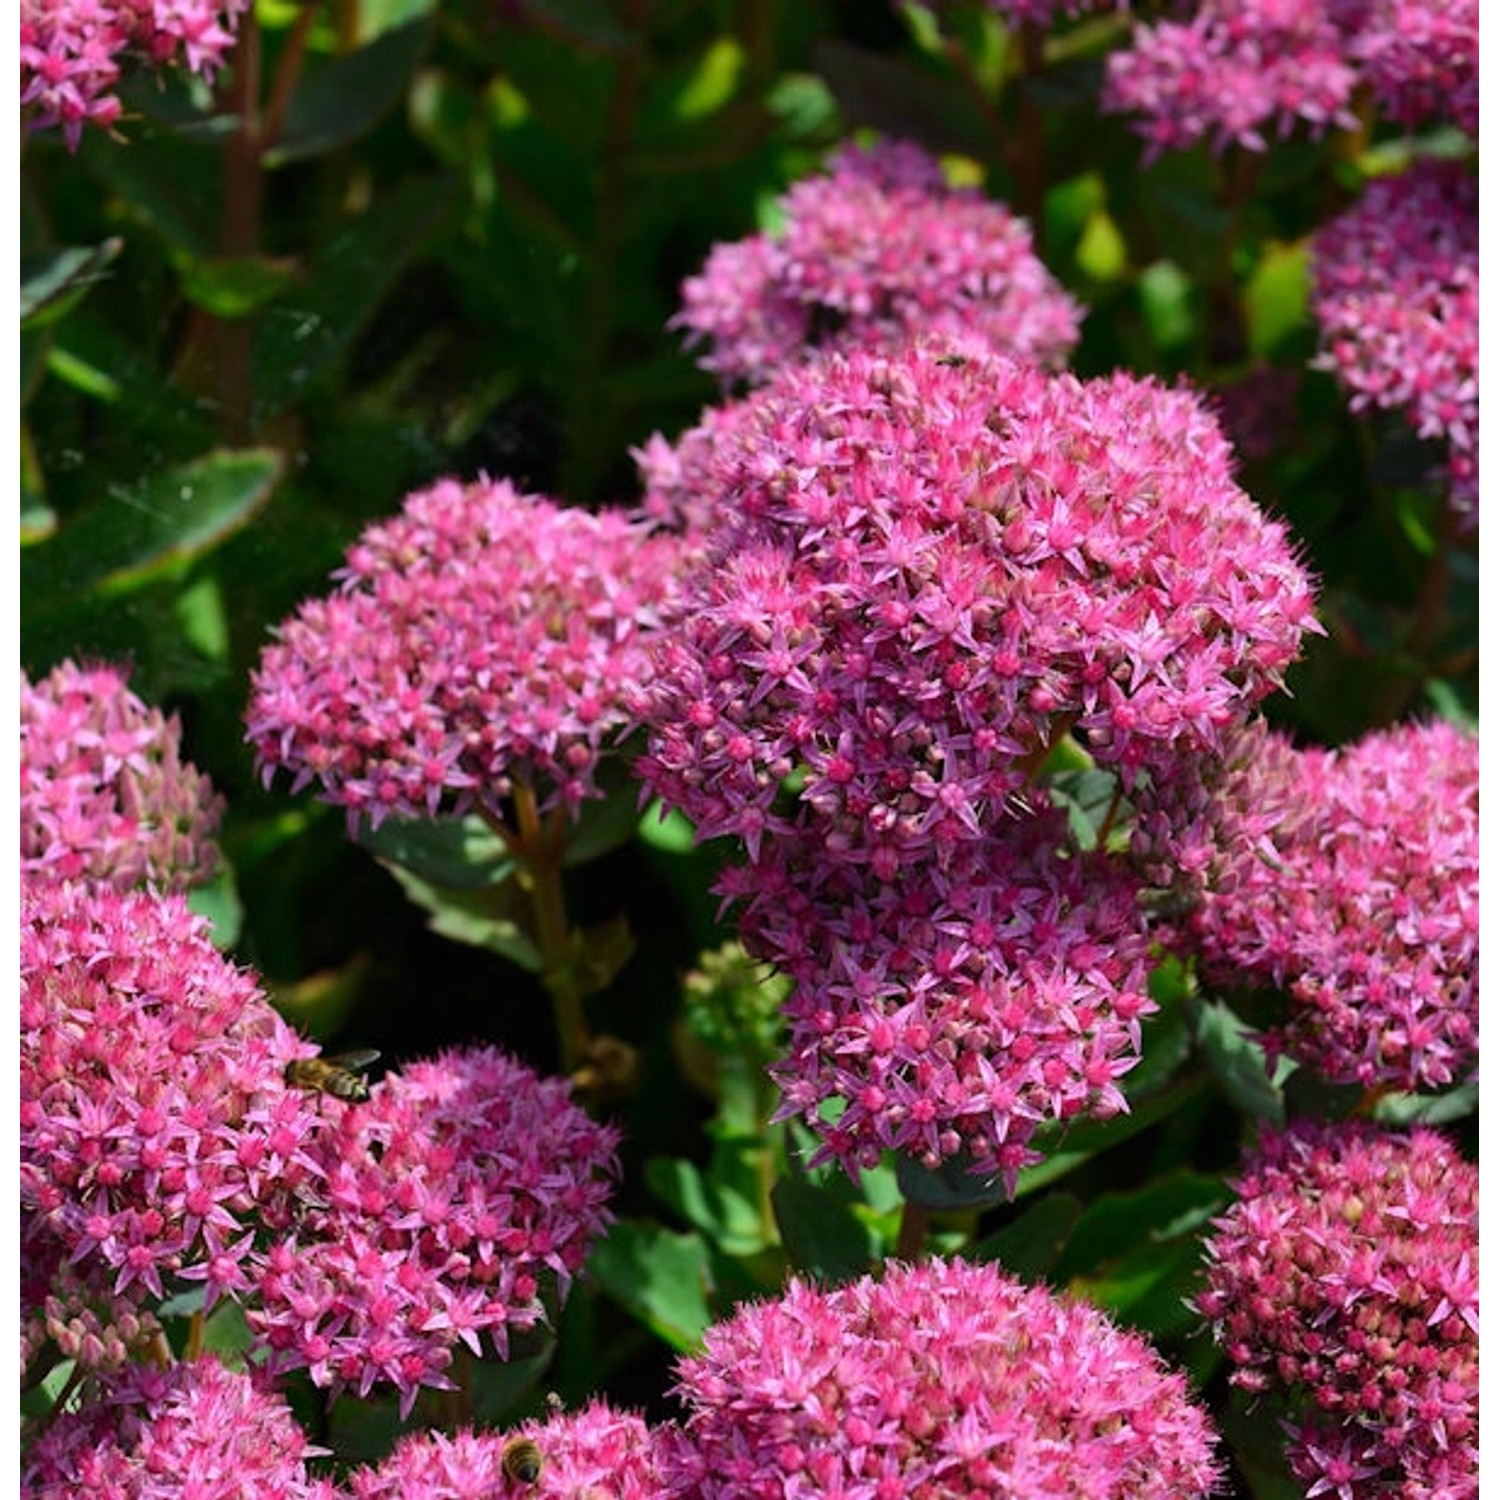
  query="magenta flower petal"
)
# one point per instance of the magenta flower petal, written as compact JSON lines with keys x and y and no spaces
{"x":105,"y":793}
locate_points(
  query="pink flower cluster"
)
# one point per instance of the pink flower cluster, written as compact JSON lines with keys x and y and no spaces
{"x":1351,"y":878}
{"x":922,"y":575}
{"x":1238,"y":69}
{"x":453,"y":1198}
{"x":155,"y":1123}
{"x":872,"y":251}
{"x":482,"y":638}
{"x":1420,"y":59}
{"x":1395,"y":291}
{"x":1347,"y":1271}
{"x":73,"y":1307}
{"x":72,"y":52}
{"x":105,"y":793}
{"x":197,"y":1429}
{"x":943,"y":1379}
{"x":953,"y":1009}
{"x":595,"y":1452}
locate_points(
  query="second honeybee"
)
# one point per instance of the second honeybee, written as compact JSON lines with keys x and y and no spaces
{"x":337,"y":1075}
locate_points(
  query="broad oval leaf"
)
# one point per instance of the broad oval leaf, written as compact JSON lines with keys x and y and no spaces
{"x":151,"y":531}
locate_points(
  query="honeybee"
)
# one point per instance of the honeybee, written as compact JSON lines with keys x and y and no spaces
{"x":337,"y":1075}
{"x":521,"y":1460}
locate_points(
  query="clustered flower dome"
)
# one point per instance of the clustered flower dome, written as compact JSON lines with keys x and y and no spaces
{"x":871,"y":251}
{"x":156,"y":1127}
{"x":1347,"y":1274}
{"x":923,"y":575}
{"x":941,"y":1379}
{"x":482,"y":639}
{"x":1351,"y":879}
{"x":1237,"y":70}
{"x":597,"y":1452}
{"x":1395,"y":292}
{"x":73,"y":52}
{"x":463,"y":1190}
{"x":195,"y":1429}
{"x":1420,"y":60}
{"x":950,"y":1011}
{"x":105,"y":793}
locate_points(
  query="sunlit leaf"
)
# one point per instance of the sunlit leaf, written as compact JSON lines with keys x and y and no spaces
{"x":661,"y":1277}
{"x":154,"y":529}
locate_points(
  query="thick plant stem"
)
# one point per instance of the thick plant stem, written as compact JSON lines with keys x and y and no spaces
{"x":911,"y":1240}
{"x":538,"y":842}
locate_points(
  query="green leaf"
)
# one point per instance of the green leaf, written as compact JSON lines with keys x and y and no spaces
{"x":603,"y":825}
{"x":458,"y":853}
{"x":1429,"y":1109}
{"x":39,"y":1399}
{"x":1102,"y":253}
{"x":1139,"y":1253}
{"x":1276,"y":297}
{"x":712,"y":83}
{"x":950,"y":1187}
{"x":1166,"y":293}
{"x":339,"y":101}
{"x":219,"y":901}
{"x":152,"y":531}
{"x":821,"y":1229}
{"x":1238,"y":1063}
{"x":1030,"y":1245}
{"x":52,"y":281}
{"x":233,"y":287}
{"x":659,"y":1277}
{"x":666,"y":829}
{"x":225,"y":1330}
{"x":721,"y":1203}
{"x":1068,"y":1149}
{"x":1115,"y":1226}
{"x":1089,"y":797}
{"x":482,"y":917}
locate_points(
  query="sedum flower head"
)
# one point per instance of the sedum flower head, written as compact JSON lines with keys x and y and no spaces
{"x":1237,"y":71}
{"x":942,"y":1379}
{"x":1347,"y":1273}
{"x":105,"y":793}
{"x":196,"y":1429}
{"x":921,"y":575}
{"x":951,"y":1010}
{"x":1351,"y":879}
{"x":73,"y":51}
{"x":483,"y":638}
{"x":1234,"y":71}
{"x":1420,"y":60}
{"x":598,"y":1453}
{"x":455,"y":1196}
{"x":155,"y":1124}
{"x":876,"y":248}
{"x":1395,"y":291}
